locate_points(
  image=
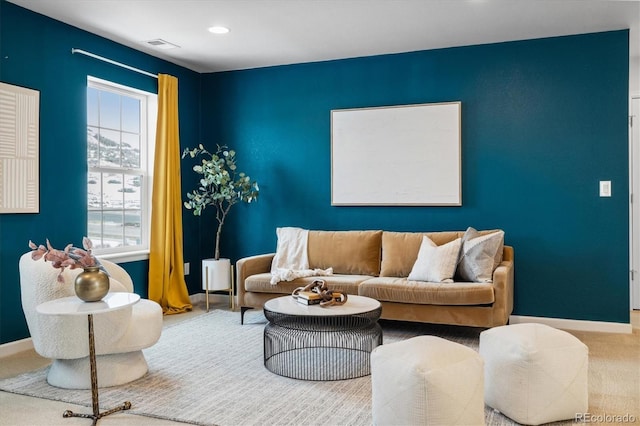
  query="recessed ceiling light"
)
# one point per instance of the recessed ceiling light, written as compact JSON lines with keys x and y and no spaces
{"x":219,"y":30}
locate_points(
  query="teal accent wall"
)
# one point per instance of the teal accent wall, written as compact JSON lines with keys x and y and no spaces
{"x":35,"y":52}
{"x":542,"y":122}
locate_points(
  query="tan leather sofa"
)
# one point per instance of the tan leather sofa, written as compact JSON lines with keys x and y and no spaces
{"x":376,"y":264}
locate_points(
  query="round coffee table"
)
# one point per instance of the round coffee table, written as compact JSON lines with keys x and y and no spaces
{"x":316,"y":343}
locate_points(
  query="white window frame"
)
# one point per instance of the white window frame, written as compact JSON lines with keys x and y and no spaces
{"x":149,"y":102}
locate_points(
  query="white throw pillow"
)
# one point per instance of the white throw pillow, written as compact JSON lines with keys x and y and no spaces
{"x":435,"y":263}
{"x":480,"y":256}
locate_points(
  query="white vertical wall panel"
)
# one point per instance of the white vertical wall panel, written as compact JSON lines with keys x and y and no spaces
{"x":19,"y":149}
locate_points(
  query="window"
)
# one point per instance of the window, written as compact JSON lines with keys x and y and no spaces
{"x":120,"y":138}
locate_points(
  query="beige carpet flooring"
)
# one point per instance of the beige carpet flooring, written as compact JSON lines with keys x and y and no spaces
{"x":614,"y":381}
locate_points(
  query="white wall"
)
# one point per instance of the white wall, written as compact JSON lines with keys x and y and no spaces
{"x":634,"y":58}
{"x":634,"y":75}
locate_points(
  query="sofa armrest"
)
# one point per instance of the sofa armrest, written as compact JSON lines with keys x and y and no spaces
{"x":248,"y":266}
{"x":503,"y":288}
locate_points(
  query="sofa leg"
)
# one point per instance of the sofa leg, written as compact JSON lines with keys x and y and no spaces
{"x":243,"y":309}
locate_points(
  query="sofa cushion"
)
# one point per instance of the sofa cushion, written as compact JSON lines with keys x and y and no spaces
{"x":261,"y":283}
{"x":400,"y":250}
{"x":480,"y":255}
{"x":391,"y":289}
{"x":436,"y":263}
{"x":347,"y":252}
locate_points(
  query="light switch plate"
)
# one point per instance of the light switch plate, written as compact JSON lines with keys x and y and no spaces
{"x":605,"y":188}
{"x":186,"y":268}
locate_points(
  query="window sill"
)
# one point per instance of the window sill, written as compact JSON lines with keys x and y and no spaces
{"x":132,"y":256}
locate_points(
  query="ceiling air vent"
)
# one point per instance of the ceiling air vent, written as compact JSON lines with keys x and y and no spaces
{"x":161,"y":44}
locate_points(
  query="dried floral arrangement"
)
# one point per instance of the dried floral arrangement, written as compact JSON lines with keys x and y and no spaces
{"x":71,"y":257}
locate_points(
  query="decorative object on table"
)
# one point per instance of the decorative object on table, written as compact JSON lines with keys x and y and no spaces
{"x":90,"y":285}
{"x":307,"y":297}
{"x":317,"y":293}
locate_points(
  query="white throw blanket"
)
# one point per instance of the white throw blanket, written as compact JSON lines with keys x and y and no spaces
{"x":291,"y":260}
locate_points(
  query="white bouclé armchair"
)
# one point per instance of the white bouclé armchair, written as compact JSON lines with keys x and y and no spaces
{"x":120,"y":335}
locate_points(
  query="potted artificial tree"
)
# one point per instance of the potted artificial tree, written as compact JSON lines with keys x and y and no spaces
{"x":221,"y":187}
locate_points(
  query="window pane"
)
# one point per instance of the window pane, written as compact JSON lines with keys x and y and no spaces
{"x":135,"y":181}
{"x":93,"y":146}
{"x":94,"y":191}
{"x":109,"y":110}
{"x":112,"y":192}
{"x":112,"y":228}
{"x":130,"y":115}
{"x":132,"y":228}
{"x":132,"y":196}
{"x":92,"y":107}
{"x":94,"y":228}
{"x":109,"y":148}
{"x":131,"y":150}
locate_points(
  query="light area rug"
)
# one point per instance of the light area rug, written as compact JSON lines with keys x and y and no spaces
{"x":209,"y":370}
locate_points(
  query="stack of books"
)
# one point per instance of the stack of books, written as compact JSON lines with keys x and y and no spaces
{"x":309,"y":298}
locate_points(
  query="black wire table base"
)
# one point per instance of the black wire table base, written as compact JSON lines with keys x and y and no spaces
{"x":321,"y":347}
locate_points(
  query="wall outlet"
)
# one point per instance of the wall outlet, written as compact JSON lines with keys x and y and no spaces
{"x":605,"y":188}
{"x":186,"y":268}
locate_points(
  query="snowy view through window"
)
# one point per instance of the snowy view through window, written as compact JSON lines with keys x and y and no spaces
{"x":115,"y":178}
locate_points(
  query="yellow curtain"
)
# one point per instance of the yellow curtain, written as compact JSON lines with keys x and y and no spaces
{"x":166,"y":269}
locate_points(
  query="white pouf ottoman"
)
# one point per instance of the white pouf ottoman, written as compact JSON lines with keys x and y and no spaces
{"x":534,"y":373}
{"x":427,"y":380}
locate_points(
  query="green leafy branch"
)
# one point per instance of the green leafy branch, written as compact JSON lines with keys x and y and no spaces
{"x":220,"y":186}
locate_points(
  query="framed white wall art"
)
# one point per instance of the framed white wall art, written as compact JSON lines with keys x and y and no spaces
{"x":400,"y":155}
{"x":19,"y":149}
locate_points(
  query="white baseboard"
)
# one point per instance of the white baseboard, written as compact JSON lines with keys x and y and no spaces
{"x":197,"y":297}
{"x":575,"y":325}
{"x":12,"y":348}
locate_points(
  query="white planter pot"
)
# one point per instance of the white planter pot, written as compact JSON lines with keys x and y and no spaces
{"x":216,"y":274}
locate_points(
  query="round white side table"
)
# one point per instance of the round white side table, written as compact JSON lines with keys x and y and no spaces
{"x":74,"y":306}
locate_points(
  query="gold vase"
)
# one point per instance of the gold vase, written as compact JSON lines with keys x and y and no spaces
{"x":91,"y":284}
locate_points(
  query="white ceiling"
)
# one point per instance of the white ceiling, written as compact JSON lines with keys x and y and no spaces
{"x":276,"y":32}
